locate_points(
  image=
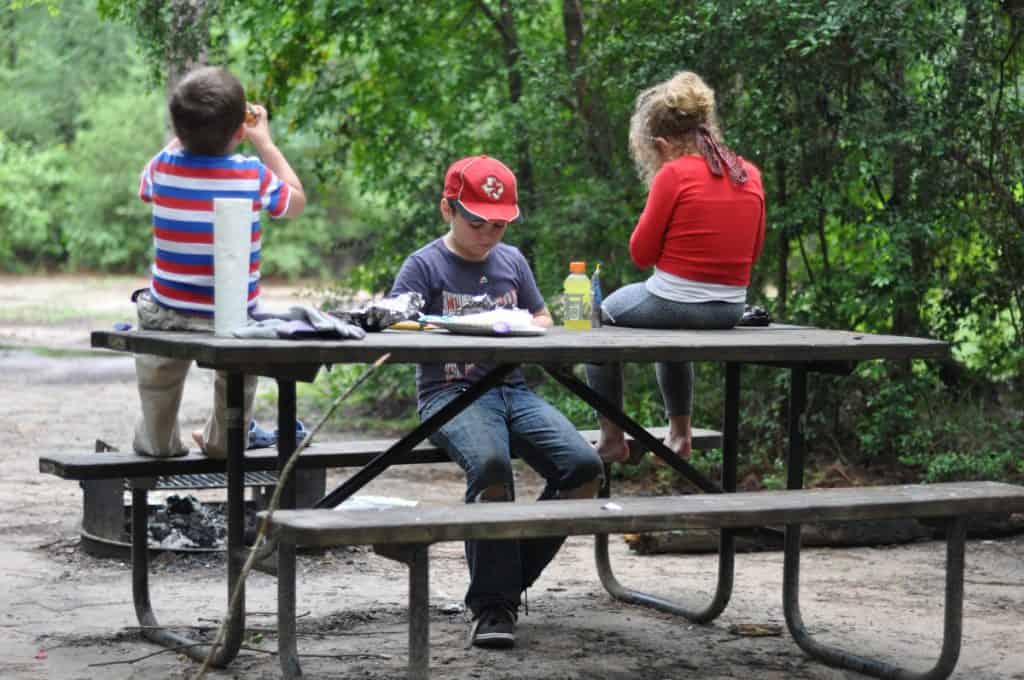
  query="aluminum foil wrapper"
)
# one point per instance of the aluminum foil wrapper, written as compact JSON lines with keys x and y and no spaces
{"x":475,"y":305}
{"x":377,"y":315}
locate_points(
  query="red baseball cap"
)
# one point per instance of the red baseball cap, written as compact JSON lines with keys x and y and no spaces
{"x":484,"y":187}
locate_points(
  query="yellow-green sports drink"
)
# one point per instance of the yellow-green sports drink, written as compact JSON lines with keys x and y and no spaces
{"x":577,"y":297}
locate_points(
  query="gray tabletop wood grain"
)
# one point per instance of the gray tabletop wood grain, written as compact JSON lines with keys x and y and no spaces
{"x":788,"y":344}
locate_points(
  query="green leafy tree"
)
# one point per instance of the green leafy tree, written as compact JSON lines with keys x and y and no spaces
{"x":31,"y":207}
{"x":889,"y":135}
{"x":107,"y":226}
{"x":72,"y":141}
{"x":50,"y":58}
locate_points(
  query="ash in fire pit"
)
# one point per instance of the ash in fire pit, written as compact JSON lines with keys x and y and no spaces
{"x":184,"y":523}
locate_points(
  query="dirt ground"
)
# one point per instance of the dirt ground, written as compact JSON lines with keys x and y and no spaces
{"x":67,"y":615}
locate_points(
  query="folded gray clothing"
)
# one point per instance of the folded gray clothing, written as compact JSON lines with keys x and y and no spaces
{"x":260,"y":329}
{"x":298,"y":330}
{"x":300,"y":321}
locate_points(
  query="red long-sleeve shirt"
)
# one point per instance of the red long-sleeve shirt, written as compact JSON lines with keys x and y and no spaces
{"x":701,"y":227}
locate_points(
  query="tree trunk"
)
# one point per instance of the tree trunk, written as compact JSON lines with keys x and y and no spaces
{"x":907,"y":296}
{"x":510,"y":43}
{"x":189,"y":43}
{"x":910,"y":301}
{"x":188,"y":46}
{"x":783,"y":246}
{"x":505,"y":23}
{"x":12,"y":45}
{"x":591,"y":110}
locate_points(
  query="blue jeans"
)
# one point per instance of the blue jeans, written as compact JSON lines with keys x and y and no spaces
{"x":480,"y":440}
{"x":634,"y":306}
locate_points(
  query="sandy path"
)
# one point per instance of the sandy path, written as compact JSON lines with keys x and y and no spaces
{"x":72,"y":610}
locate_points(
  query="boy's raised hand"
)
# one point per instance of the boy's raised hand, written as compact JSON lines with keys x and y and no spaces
{"x":257,"y":129}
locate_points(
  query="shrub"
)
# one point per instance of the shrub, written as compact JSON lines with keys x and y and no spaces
{"x":32,"y":206}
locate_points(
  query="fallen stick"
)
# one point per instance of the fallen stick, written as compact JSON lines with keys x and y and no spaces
{"x":272,"y":506}
{"x":269,"y":652}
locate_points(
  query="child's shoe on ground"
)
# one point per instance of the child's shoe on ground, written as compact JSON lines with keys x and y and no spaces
{"x":494,"y":628}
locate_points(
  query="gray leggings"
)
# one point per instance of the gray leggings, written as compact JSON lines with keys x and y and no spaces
{"x":633,"y":306}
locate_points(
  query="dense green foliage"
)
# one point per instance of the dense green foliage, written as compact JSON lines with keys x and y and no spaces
{"x":890,"y":136}
{"x":82,"y":116}
{"x":72,"y":133}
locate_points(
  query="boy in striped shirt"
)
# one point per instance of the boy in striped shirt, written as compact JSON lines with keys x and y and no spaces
{"x":209,"y":115}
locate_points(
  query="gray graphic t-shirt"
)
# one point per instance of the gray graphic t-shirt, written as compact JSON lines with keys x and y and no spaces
{"x":447,"y":281}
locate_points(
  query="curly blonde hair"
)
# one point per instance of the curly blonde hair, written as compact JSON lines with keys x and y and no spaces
{"x":674,"y":109}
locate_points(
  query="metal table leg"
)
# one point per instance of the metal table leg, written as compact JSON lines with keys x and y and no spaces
{"x":416,"y":557}
{"x":151,"y":629}
{"x":407,"y":443}
{"x":726,"y":539}
{"x":236,"y":517}
{"x":795,"y":425}
{"x":955,"y":536}
{"x":635,"y":429}
{"x":956,"y":531}
{"x":287,"y":646}
{"x":419,"y":612}
{"x":723,"y":589}
{"x":286,"y":626}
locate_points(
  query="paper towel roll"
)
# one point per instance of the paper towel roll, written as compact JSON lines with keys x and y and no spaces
{"x":232,"y":241}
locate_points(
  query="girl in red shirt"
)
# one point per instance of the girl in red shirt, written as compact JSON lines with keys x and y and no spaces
{"x":702,"y":230}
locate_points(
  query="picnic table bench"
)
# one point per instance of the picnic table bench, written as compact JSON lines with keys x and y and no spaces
{"x":799,"y":350}
{"x":106,"y":474}
{"x":156,"y":473}
{"x":405,"y":534}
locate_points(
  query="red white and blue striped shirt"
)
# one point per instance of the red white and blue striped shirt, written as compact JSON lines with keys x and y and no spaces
{"x":181,"y":187}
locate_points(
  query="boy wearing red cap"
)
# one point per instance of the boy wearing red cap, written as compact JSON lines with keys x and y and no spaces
{"x":478,"y":203}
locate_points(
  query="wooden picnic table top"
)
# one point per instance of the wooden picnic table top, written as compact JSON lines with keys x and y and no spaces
{"x":775,"y":343}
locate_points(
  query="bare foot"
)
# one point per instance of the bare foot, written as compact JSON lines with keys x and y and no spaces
{"x":614,"y":450}
{"x":197,"y":437}
{"x":680,"y":436}
{"x":681,"y":444}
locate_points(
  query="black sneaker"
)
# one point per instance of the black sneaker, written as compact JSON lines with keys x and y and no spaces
{"x":494,"y":628}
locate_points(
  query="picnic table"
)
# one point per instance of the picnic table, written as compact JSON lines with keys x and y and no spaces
{"x":799,"y":350}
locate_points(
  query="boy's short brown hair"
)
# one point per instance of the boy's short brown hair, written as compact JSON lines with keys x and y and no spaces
{"x":207,"y":107}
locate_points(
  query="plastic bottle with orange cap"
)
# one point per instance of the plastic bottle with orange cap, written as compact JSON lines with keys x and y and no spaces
{"x":578,"y":297}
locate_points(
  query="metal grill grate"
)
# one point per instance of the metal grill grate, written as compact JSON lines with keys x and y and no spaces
{"x":213,"y":480}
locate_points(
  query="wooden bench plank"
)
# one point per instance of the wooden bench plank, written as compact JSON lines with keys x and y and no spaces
{"x":631,"y":514}
{"x":405,"y":534}
{"x":337,"y":454}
